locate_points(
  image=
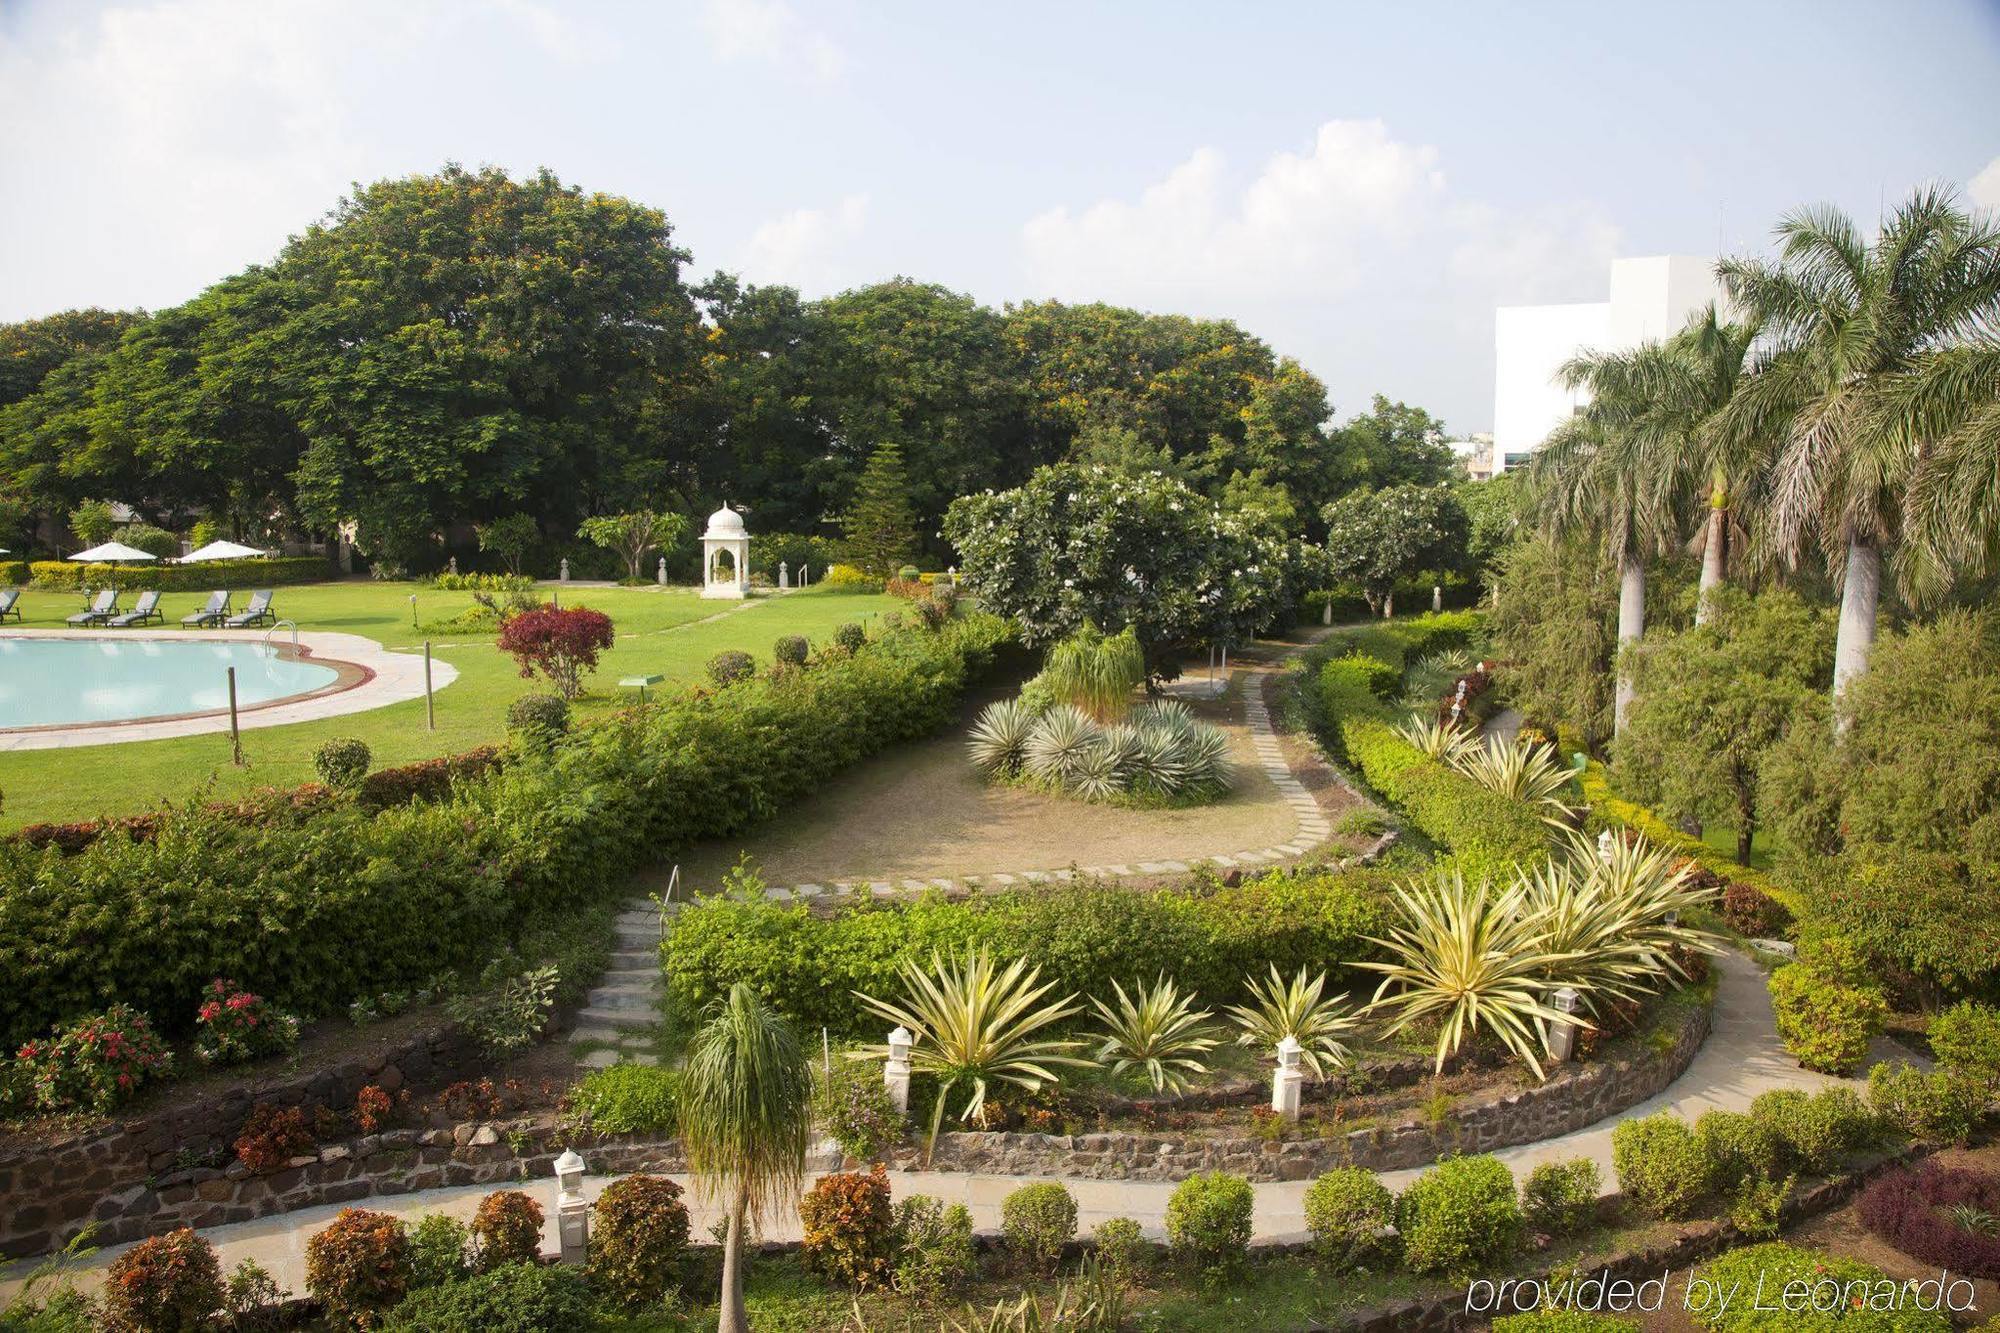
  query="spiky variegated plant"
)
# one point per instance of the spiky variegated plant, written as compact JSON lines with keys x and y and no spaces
{"x":1059,"y":742}
{"x":1656,"y":885}
{"x":1298,"y":1009}
{"x":977,"y":1024}
{"x":1523,"y":772}
{"x":1095,"y":775}
{"x":999,"y":742}
{"x":1159,"y":1033}
{"x":1205,"y":759}
{"x":1439,"y":740}
{"x":1427,"y":679}
{"x":1471,"y":960}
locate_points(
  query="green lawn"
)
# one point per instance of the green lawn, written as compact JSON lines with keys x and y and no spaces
{"x":655,"y":636}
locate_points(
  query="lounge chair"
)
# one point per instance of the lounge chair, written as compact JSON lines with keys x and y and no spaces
{"x":10,"y":603}
{"x":213,"y":612}
{"x":257,"y":613}
{"x":102,"y":609}
{"x":143,"y":612}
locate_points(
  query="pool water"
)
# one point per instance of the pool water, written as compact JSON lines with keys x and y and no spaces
{"x":69,"y":682}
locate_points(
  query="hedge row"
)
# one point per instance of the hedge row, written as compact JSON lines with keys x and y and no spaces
{"x":338,"y":899}
{"x":1209,"y":937}
{"x":1617,"y":811}
{"x":273,"y":572}
{"x":1489,"y":834}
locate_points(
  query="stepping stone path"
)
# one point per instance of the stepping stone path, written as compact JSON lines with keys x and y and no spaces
{"x":621,"y":1017}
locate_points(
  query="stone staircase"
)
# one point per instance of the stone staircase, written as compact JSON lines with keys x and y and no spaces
{"x":621,"y":1017}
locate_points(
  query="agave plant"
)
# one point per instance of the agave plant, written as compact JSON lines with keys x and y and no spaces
{"x":978,"y":1024}
{"x":1428,"y":678}
{"x":1580,"y":916}
{"x":1656,"y":887}
{"x":1123,"y":743}
{"x":1160,"y":761}
{"x":1297,"y":1009}
{"x":1439,"y":740}
{"x":1472,"y":960}
{"x":999,"y":740}
{"x":1095,"y":775}
{"x":1524,"y":772}
{"x":1160,"y":1033}
{"x":1205,"y":757}
{"x":1059,"y":742}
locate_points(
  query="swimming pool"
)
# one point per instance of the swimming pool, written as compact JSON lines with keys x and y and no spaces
{"x":49,"y":682}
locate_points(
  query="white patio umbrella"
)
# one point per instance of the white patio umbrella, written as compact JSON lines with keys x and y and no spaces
{"x":112,"y":553}
{"x":220,"y":551}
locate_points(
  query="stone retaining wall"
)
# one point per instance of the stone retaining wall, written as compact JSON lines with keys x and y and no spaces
{"x":1577,"y":1096}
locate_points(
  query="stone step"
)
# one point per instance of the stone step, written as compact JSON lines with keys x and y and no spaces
{"x":623,"y":997}
{"x":617,"y":1016}
{"x":625,"y":960}
{"x":640,"y":1038}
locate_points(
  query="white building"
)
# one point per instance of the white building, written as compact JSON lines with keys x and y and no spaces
{"x":1649,"y":298}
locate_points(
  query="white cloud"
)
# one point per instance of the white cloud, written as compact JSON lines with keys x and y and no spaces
{"x":1355,"y":253}
{"x":1985,"y":187}
{"x":808,"y":247}
{"x":770,"y":31}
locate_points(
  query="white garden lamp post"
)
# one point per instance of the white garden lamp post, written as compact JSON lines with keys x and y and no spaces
{"x":896,"y":1069}
{"x":1562,"y":1034}
{"x":1288,"y":1082}
{"x":572,"y":1213}
{"x":725,"y":556}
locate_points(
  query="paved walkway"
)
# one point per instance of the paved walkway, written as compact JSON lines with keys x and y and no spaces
{"x":1741,"y":1059}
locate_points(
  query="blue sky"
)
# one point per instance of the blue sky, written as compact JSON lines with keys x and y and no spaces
{"x":1359,"y":184}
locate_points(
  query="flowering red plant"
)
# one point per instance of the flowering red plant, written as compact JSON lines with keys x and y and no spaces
{"x":94,"y":1063}
{"x":233,"y":1025}
{"x":560,"y":642}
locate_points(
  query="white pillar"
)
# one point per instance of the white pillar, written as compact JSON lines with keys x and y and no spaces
{"x":572,"y":1212}
{"x":896,"y":1070}
{"x":1437,"y":597}
{"x":660,"y":576}
{"x":1326,"y":613}
{"x":1288,"y":1081}
{"x":784,"y":575}
{"x":1562,"y":1036}
{"x":564,"y":576}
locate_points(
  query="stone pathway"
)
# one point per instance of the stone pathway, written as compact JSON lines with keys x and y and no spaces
{"x":621,"y":1017}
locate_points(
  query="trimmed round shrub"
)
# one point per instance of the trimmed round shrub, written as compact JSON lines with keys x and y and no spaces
{"x":639,"y":1230}
{"x":1661,"y":1165}
{"x":1347,"y":1210}
{"x":1038,"y":1220}
{"x":164,"y":1284}
{"x":342,"y":762}
{"x":850,"y":1229}
{"x":1940,"y":1215}
{"x":1827,"y":1281}
{"x":1753,"y":913}
{"x":849,"y":636}
{"x":627,"y":1099}
{"x":438,"y":1246}
{"x":1966,"y":1037}
{"x":507,"y":1229}
{"x":731,"y":665}
{"x":1208,"y":1223}
{"x":1825,"y":1024}
{"x":1562,"y":1321}
{"x":1816,"y":1131}
{"x":790,"y":649}
{"x":1460,"y":1215}
{"x":359,"y":1265}
{"x":539,"y":715}
{"x":931,"y":612}
{"x":909,"y":574}
{"x":1739,"y":1146}
{"x":1560,"y":1198}
{"x":1121,"y":1248}
{"x":935,"y":1256}
{"x":517,"y":1298}
{"x":1941,"y":1106}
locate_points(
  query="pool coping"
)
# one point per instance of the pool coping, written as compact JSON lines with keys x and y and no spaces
{"x":370,"y":676}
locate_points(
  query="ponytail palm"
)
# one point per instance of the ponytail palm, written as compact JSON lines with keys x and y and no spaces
{"x":745,"y":1120}
{"x":977,"y":1024}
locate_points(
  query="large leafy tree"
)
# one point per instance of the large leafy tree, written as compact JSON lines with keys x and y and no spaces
{"x":1077,"y":544}
{"x":1376,"y":539}
{"x":1551,"y":623}
{"x":1392,"y":444}
{"x":1847,"y":320}
{"x":32,"y":349}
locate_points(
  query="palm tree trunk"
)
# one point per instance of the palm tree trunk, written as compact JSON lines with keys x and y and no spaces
{"x":1858,"y":599}
{"x":1631,"y":624}
{"x":1714,"y":554}
{"x":733,"y":1319}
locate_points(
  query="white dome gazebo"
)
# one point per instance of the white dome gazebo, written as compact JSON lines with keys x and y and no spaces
{"x":726,"y":537}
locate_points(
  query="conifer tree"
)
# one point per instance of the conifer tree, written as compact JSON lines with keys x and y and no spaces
{"x":880,"y":523}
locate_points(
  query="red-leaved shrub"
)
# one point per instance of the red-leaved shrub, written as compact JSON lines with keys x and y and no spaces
{"x":272,"y":1135}
{"x":639,"y":1230}
{"x":508,"y":1227}
{"x":359,"y":1266}
{"x":164,"y":1284}
{"x":1940,"y":1215}
{"x":1752,"y":912}
{"x":849,"y":1228}
{"x":372,"y":1108}
{"x":562,"y":643}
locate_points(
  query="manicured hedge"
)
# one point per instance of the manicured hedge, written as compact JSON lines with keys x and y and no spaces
{"x":1349,"y":604}
{"x":1615,"y":810}
{"x":1208,"y":937}
{"x":1488,"y":833}
{"x":272,"y":572}
{"x":338,"y":899}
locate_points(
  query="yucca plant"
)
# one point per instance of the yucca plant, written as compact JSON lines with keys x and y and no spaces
{"x":1157,"y":1031}
{"x":1438,"y":740}
{"x":977,"y":1024}
{"x":1655,"y":885}
{"x":1205,"y":759}
{"x":1124,"y":744}
{"x":1160,"y":759}
{"x":1579,"y":916}
{"x":1095,"y":776}
{"x":1298,"y":1009}
{"x":1428,"y":679}
{"x":1472,"y":960}
{"x":999,"y":742}
{"x":1096,"y":671}
{"x":1058,"y":743}
{"x":1524,"y":772}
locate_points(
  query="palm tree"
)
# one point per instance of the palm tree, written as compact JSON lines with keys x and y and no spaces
{"x":1608,"y":471}
{"x":1846,"y":321}
{"x":1950,"y":399}
{"x":1706,"y":360}
{"x":745,"y":1120}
